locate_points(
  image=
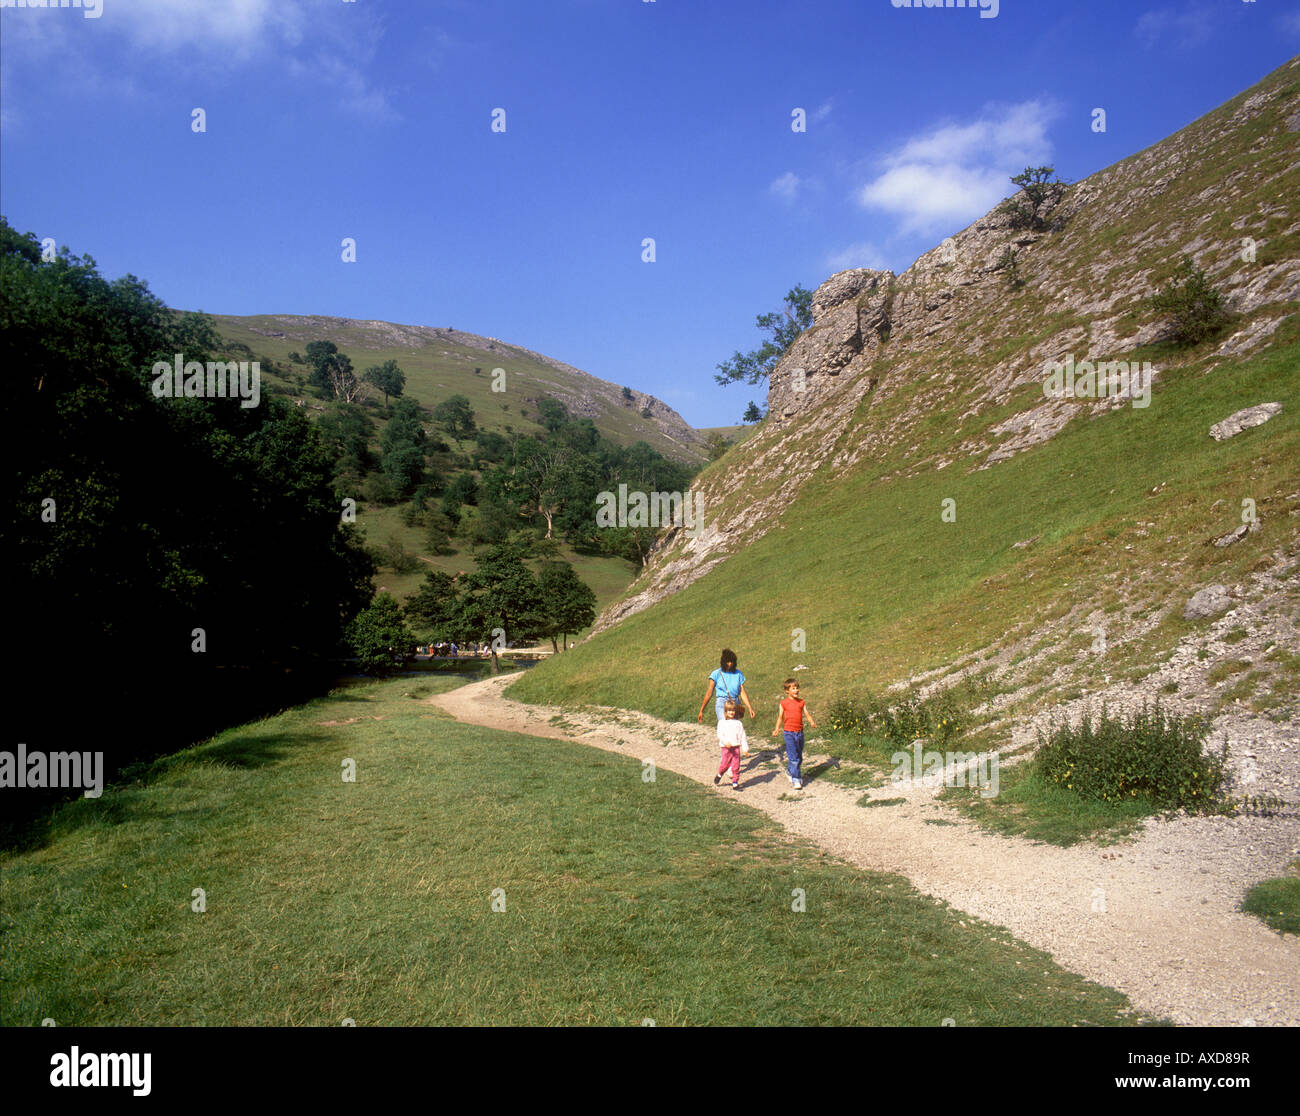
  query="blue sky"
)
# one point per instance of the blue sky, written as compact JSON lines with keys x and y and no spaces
{"x":624,"y":119}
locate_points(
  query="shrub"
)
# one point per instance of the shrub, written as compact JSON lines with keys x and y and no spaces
{"x":939,"y":719}
{"x":1041,"y":194}
{"x":1151,"y":753}
{"x":379,"y":638}
{"x":1194,"y":306}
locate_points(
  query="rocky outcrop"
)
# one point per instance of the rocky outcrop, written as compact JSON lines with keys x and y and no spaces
{"x":971,"y":328}
{"x":850,"y":317}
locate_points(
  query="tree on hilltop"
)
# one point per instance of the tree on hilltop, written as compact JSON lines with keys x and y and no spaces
{"x":1041,"y":192}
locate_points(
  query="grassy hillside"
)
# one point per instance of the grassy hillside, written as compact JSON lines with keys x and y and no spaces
{"x":324,"y":900}
{"x":831,"y":550}
{"x":1121,"y":509}
{"x":439,"y":364}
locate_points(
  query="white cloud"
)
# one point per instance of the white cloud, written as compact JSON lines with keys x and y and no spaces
{"x":786,"y":187}
{"x":1178,"y":27}
{"x":956,"y":172}
{"x":861,"y":254}
{"x":331,"y":47}
{"x":245,"y":27}
{"x":821,"y":112}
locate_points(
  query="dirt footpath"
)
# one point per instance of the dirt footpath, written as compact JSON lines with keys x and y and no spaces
{"x":1144,"y":917}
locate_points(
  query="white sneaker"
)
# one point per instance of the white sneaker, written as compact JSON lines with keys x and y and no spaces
{"x":798,"y":784}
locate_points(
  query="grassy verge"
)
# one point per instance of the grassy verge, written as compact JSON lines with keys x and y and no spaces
{"x":1028,"y":805}
{"x":372,"y":900}
{"x":1277,"y":901}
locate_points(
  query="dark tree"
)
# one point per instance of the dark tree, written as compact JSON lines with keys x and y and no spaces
{"x":1041,"y":193}
{"x":379,"y":638}
{"x":569,"y":603}
{"x":388,"y":378}
{"x":456,"y":416}
{"x":552,"y":413}
{"x":501,"y":601}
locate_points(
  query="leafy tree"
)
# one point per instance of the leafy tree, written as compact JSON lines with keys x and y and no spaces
{"x":784,"y":326}
{"x":501,"y":596}
{"x":379,"y":638}
{"x":493,"y":448}
{"x":552,"y":413}
{"x":752,"y":413}
{"x":628,"y":397}
{"x":434,"y":605}
{"x":569,"y":603}
{"x":541,"y":477}
{"x":1041,"y":194}
{"x":388,"y":378}
{"x":462,"y":490}
{"x":1195,"y":308}
{"x":332,"y":371}
{"x":403,"y":443}
{"x":161,"y":553}
{"x":716,"y":445}
{"x":456,"y":416}
{"x":437,"y":534}
{"x":347,"y":430}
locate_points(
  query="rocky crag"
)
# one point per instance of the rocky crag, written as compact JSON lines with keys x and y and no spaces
{"x":965,"y":326}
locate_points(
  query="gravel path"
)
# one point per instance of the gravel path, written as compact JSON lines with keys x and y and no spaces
{"x":1154,"y":918}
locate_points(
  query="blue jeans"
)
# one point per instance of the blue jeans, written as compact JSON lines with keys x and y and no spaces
{"x":794,"y":754}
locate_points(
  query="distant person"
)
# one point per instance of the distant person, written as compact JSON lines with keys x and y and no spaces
{"x":731,"y":737}
{"x":790,"y":711}
{"x":729,"y":684}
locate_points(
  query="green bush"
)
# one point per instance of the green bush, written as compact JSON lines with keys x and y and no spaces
{"x":379,"y":637}
{"x":939,"y":719}
{"x":1195,"y":307}
{"x":1151,"y":754}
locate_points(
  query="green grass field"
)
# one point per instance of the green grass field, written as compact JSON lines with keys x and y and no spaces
{"x":622,"y":900}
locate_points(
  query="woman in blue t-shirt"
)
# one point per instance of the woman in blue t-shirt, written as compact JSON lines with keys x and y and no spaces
{"x":729,"y":684}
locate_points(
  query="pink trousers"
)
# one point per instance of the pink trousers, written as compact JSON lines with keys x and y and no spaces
{"x":730,"y":759}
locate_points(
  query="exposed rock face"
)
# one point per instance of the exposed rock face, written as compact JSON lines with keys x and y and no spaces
{"x":959,"y":334}
{"x":850,"y":315}
{"x":1243,"y":420}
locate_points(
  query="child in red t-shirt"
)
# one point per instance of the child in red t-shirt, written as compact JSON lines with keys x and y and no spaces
{"x":789,"y":715}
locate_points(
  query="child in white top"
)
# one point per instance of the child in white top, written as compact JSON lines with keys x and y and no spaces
{"x":731,"y":736}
